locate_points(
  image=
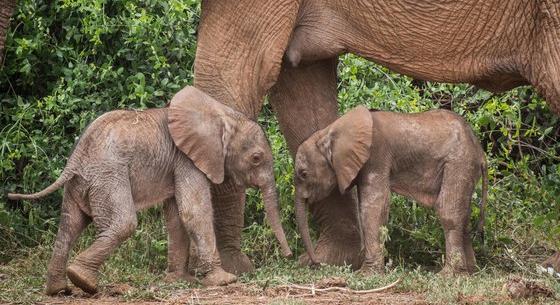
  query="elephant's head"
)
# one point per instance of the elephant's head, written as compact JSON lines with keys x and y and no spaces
{"x":223,"y":143}
{"x":330,"y":157}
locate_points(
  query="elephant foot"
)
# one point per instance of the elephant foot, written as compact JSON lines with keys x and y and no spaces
{"x":82,"y":278}
{"x":452,"y":271}
{"x":56,"y":287}
{"x":454,"y":266}
{"x":218,"y":277}
{"x":236,"y":262}
{"x":171,"y":277}
{"x":449,"y":272}
{"x":338,"y":253}
{"x":553,"y":262}
{"x":370,"y":269}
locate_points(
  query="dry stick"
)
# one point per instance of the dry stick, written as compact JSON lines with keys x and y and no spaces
{"x":313,"y":289}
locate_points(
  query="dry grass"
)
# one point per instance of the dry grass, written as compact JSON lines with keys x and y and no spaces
{"x":22,"y":281}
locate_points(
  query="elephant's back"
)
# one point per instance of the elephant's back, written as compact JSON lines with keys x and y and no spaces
{"x":124,"y":137}
{"x":125,"y":129}
{"x":439,"y":134}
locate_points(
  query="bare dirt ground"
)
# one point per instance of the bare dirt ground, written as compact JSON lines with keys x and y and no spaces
{"x":332,"y":290}
{"x":248,"y":294}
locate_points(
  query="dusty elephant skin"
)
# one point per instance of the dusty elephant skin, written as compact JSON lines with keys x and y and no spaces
{"x":493,"y":44}
{"x":130,"y":160}
{"x":431,"y":157}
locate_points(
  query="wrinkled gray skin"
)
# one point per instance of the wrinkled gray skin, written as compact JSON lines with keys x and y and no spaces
{"x":241,"y":45}
{"x":289,"y":50}
{"x":130,"y":160}
{"x":431,"y":157}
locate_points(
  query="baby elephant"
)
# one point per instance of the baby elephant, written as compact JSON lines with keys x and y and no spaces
{"x":130,"y":160}
{"x":431,"y":157}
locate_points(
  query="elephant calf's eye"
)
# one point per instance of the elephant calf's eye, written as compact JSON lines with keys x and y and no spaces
{"x":256,"y":158}
{"x":302,"y":174}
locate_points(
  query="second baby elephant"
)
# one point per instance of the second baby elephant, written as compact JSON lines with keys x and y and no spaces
{"x":126,"y":161}
{"x":431,"y":157}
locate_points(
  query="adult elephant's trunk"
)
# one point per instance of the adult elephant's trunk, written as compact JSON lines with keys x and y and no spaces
{"x":303,"y":226}
{"x":270,"y":199}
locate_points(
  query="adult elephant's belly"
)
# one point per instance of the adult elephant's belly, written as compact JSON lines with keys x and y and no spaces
{"x":445,"y":41}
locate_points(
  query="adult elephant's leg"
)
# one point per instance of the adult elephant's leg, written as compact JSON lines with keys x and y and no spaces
{"x":228,"y":204}
{"x":544,"y":74}
{"x":305,"y":100}
{"x":6,"y":11}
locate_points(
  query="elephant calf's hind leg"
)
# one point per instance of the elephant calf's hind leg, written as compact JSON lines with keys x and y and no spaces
{"x":114,"y":216}
{"x":453,"y":208}
{"x":72,"y":223}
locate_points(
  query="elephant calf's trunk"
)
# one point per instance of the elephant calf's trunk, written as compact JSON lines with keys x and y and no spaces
{"x":270,"y":199}
{"x":301,"y":218}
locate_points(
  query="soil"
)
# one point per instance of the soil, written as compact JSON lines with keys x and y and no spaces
{"x":246,"y":294}
{"x":516,"y":288}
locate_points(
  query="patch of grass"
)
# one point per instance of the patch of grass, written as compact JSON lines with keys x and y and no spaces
{"x":484,"y":287}
{"x":24,"y":280}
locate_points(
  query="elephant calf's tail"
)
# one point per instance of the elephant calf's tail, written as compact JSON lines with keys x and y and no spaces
{"x":483,"y":200}
{"x":66,"y":175}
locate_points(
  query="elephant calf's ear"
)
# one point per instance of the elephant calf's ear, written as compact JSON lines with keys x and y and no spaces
{"x":346,"y":144}
{"x":197,"y":124}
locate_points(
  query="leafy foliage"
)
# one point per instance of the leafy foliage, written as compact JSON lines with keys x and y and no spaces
{"x":68,"y":61}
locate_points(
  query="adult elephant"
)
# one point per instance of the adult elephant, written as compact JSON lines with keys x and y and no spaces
{"x":496,"y":45}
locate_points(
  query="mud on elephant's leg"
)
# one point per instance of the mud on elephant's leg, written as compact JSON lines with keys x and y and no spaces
{"x":305,"y":100}
{"x":228,"y":204}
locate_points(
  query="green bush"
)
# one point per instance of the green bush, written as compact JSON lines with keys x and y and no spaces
{"x":69,"y":61}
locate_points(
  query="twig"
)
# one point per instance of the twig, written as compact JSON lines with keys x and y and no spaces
{"x":342,"y":289}
{"x":158,"y":298}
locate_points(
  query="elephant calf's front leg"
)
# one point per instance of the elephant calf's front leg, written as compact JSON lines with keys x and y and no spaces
{"x":228,"y":205}
{"x":305,"y":100}
{"x":374,"y":195}
{"x":177,"y":245}
{"x":195,"y":211}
